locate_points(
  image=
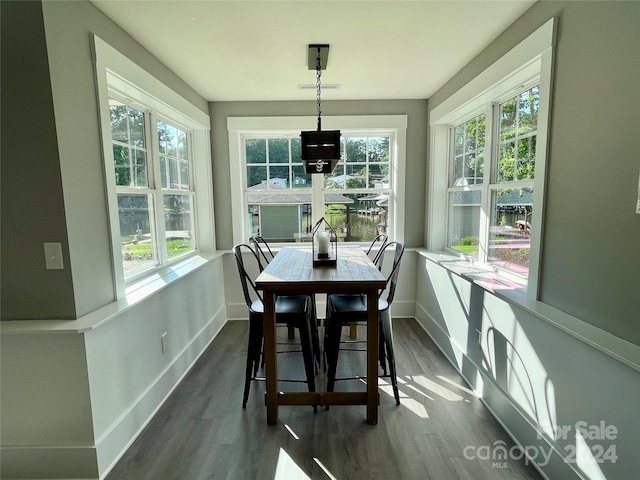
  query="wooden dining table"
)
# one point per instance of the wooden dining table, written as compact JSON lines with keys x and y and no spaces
{"x":291,"y":272}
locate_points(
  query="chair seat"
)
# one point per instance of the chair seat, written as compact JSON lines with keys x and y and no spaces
{"x":353,"y":304}
{"x":292,"y":305}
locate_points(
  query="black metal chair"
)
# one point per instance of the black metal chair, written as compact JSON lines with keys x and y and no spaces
{"x":381,"y":241}
{"x":290,"y":310}
{"x":377,"y":259}
{"x":343,"y":310}
{"x":265,"y":255}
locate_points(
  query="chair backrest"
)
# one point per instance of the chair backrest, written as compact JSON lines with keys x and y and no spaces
{"x":262,"y":249}
{"x":245,"y":279}
{"x":380,"y":240}
{"x":392,"y":279}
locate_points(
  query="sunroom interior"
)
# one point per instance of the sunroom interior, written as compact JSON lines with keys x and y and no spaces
{"x":82,"y":368}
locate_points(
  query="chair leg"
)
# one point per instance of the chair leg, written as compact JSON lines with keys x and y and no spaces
{"x":381,"y":353}
{"x":387,"y":334}
{"x":260,"y":362}
{"x":317,"y":356}
{"x":333,"y":331}
{"x":254,"y":349}
{"x":307,"y":354}
{"x":247,"y":381}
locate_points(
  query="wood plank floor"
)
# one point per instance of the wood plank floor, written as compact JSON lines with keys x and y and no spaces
{"x":202,"y":432}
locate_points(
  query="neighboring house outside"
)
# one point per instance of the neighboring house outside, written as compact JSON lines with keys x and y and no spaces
{"x":513,"y":205}
{"x":284,"y":217}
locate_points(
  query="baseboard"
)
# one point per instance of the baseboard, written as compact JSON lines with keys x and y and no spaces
{"x":403,"y":309}
{"x":551,"y":463}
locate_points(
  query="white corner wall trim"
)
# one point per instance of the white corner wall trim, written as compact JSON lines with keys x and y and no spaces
{"x":135,"y":294}
{"x":616,"y":347}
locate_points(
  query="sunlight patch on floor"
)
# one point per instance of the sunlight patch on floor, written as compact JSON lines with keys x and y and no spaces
{"x":293,"y":434}
{"x":405,"y":400}
{"x":324,"y":469}
{"x":287,"y":469}
{"x":457,"y":385}
{"x":436,"y":388}
{"x":414,"y":406}
{"x":417,"y":390}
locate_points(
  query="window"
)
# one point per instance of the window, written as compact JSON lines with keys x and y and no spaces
{"x":488,"y":158}
{"x":157,"y":170}
{"x":279,"y":193}
{"x":276,"y":189}
{"x":155,"y":219}
{"x":512,"y":191}
{"x":510,"y":173}
{"x":467,"y":176}
{"x":282,"y":203}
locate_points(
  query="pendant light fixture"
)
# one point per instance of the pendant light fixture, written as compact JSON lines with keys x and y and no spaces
{"x":320,"y":149}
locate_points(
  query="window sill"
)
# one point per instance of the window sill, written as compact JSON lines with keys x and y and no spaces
{"x":135,"y":294}
{"x":511,"y":292}
{"x":498,"y":282}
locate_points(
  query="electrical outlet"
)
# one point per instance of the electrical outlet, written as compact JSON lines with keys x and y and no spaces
{"x":164,"y":342}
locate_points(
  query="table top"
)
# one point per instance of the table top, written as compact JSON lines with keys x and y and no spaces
{"x":292,"y":271}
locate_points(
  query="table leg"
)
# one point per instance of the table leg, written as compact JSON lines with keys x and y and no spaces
{"x":270,"y":358}
{"x":372,"y":357}
{"x":353,"y":330}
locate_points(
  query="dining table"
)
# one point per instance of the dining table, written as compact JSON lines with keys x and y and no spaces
{"x":292,"y":272}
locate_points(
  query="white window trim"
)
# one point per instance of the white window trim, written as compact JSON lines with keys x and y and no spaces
{"x":115,"y":71}
{"x":533,"y":57}
{"x":239,"y":127}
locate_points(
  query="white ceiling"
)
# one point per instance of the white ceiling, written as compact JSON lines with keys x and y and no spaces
{"x":257,"y":50}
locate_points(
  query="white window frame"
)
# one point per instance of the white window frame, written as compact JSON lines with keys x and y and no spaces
{"x":240,"y":128}
{"x":530,"y":59}
{"x":115,"y":73}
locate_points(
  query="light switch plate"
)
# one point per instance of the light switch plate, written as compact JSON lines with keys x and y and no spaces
{"x":53,"y":256}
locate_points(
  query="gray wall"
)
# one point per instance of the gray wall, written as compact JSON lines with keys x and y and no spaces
{"x":591,"y":240}
{"x":32,"y":200}
{"x":416,"y":110}
{"x":52,"y":166}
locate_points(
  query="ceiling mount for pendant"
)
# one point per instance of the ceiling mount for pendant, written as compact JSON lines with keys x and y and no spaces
{"x":318,"y":49}
{"x":320,"y":150}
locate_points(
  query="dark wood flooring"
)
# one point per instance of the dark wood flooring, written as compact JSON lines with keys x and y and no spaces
{"x":202,"y":432}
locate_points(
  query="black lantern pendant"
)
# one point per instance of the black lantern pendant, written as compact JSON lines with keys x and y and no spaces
{"x":320,"y":151}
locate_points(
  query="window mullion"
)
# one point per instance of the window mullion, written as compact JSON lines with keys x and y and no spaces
{"x":192,"y":190}
{"x":490,"y":151}
{"x":317,"y":197}
{"x":155,"y":185}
